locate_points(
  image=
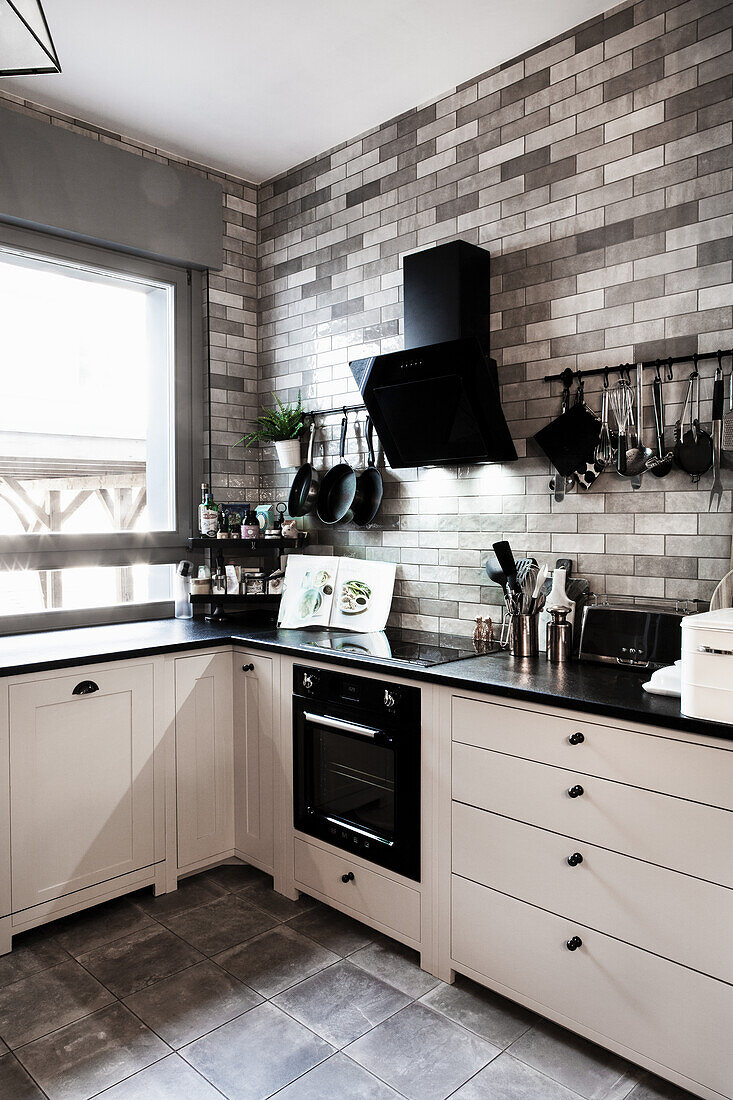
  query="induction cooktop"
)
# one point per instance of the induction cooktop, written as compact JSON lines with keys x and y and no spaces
{"x":407,"y":646}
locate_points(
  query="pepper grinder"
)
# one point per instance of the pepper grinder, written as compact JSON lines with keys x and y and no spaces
{"x":559,"y":636}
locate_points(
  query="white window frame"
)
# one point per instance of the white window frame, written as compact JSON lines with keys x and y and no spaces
{"x":53,"y":550}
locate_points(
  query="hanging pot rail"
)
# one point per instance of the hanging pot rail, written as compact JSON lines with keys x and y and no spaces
{"x":361,"y":407}
{"x":568,"y":376}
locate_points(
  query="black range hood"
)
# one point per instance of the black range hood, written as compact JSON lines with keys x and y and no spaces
{"x":437,"y":402}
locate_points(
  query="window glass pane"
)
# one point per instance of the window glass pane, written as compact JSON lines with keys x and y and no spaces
{"x":86,"y":417}
{"x":28,"y":591}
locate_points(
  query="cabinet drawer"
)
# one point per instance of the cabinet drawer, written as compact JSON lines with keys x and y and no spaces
{"x":658,"y":763}
{"x":685,"y":836}
{"x":681,"y":1019}
{"x":369,"y":895}
{"x":676,"y":916}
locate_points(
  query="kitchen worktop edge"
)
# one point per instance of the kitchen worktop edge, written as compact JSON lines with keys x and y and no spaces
{"x":601,"y":690}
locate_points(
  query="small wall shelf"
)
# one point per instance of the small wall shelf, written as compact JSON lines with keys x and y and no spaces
{"x":245,"y":547}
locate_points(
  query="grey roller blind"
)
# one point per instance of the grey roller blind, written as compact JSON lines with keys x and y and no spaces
{"x":55,"y":180}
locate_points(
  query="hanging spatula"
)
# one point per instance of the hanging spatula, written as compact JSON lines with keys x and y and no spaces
{"x":728,"y":418}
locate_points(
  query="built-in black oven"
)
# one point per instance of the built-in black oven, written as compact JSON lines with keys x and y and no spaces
{"x":356,"y":765}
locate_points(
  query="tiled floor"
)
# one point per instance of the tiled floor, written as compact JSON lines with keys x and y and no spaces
{"x":228,"y":989}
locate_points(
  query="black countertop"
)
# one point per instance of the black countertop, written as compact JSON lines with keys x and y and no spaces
{"x":598,"y":689}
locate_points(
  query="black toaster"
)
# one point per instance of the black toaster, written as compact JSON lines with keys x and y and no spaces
{"x":620,"y":630}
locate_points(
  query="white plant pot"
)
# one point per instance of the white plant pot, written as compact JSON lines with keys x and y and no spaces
{"x":288,"y":453}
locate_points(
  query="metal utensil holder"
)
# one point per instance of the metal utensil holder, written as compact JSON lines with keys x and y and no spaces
{"x":524,"y":640}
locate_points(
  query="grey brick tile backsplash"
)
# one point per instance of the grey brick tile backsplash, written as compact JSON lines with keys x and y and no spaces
{"x":600,"y":180}
{"x":598,"y":173}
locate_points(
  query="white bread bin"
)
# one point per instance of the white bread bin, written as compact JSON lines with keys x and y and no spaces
{"x":707,"y":666}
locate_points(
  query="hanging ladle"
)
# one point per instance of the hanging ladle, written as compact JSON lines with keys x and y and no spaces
{"x":660,"y":464}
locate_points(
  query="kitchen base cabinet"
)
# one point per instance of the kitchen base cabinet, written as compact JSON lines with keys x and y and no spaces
{"x":204,"y":759}
{"x":82,"y":781}
{"x":667,"y":1016}
{"x":254,"y":699}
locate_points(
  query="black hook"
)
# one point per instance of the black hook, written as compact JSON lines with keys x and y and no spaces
{"x":605,"y":378}
{"x":670,"y":372}
{"x":657,"y":367}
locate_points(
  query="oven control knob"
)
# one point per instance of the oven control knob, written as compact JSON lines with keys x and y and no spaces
{"x":389,"y":699}
{"x":309,"y":680}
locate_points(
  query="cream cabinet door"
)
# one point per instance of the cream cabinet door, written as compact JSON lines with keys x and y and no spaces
{"x":204,"y":757}
{"x":253,"y":757}
{"x":81,"y":779}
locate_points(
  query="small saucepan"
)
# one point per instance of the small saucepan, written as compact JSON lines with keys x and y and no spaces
{"x":369,"y":485}
{"x":304,"y":490}
{"x":338,"y":487}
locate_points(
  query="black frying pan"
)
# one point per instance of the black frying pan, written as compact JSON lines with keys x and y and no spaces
{"x":369,"y":485}
{"x":338,"y":487}
{"x":304,"y":490}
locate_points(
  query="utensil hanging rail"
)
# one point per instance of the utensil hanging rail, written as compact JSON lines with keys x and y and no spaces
{"x":337,"y":409}
{"x":568,"y":376}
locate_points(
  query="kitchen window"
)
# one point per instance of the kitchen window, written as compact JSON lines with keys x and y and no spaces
{"x":96,"y":430}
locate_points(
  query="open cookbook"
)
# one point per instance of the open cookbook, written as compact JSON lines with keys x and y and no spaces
{"x":347,"y":593}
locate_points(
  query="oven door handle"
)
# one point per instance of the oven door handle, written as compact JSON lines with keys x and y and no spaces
{"x":340,"y":724}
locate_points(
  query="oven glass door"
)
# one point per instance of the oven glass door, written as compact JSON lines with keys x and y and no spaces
{"x":352,"y":781}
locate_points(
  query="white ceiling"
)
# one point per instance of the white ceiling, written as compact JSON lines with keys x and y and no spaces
{"x":253,"y":87}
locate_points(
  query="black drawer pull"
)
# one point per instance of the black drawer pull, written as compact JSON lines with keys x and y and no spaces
{"x":248,"y":668}
{"x":348,"y":877}
{"x":575,"y":859}
{"x":574,"y":943}
{"x":576,"y":738}
{"x":85,"y":687}
{"x":576,"y":791}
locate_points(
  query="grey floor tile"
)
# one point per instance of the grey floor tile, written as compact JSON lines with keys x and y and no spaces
{"x":139,"y":960}
{"x":265,"y":897}
{"x":492,"y":1017}
{"x":99,"y":925}
{"x":169,"y":1079}
{"x":235,"y":876}
{"x":222,"y":923}
{"x":184,"y":1007}
{"x":581,"y":1066}
{"x":342,"y":1002}
{"x":190,"y":892}
{"x":396,"y":964}
{"x":421,"y":1053}
{"x":507,"y":1079}
{"x":340,"y":1078}
{"x":81,"y":1059}
{"x":15,"y":1084}
{"x":47,"y":1000}
{"x":333,"y":930}
{"x":653,"y":1088}
{"x":256,"y":1054}
{"x":32,"y":952}
{"x":4,"y":1048}
{"x":276,"y":960}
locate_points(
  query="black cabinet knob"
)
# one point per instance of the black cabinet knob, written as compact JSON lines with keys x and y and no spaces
{"x":248,"y":668}
{"x":576,"y":791}
{"x":575,"y":859}
{"x":86,"y":687}
{"x":348,"y":877}
{"x":576,"y":738}
{"x":574,"y":943}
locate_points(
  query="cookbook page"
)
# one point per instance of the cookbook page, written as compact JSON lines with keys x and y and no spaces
{"x":308,"y":589}
{"x":363,"y":595}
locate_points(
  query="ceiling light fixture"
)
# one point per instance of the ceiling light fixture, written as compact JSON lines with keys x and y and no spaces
{"x":26,"y":46}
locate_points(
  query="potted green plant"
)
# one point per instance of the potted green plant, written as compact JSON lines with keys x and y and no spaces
{"x":281,"y":425}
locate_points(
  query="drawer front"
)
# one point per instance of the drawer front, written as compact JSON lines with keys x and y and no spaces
{"x":676,"y":916}
{"x":679,"y":1018}
{"x":369,"y":894}
{"x":685,"y":769}
{"x":684,"y":836}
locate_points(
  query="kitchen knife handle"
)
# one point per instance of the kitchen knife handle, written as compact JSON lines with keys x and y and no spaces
{"x":718,"y":397}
